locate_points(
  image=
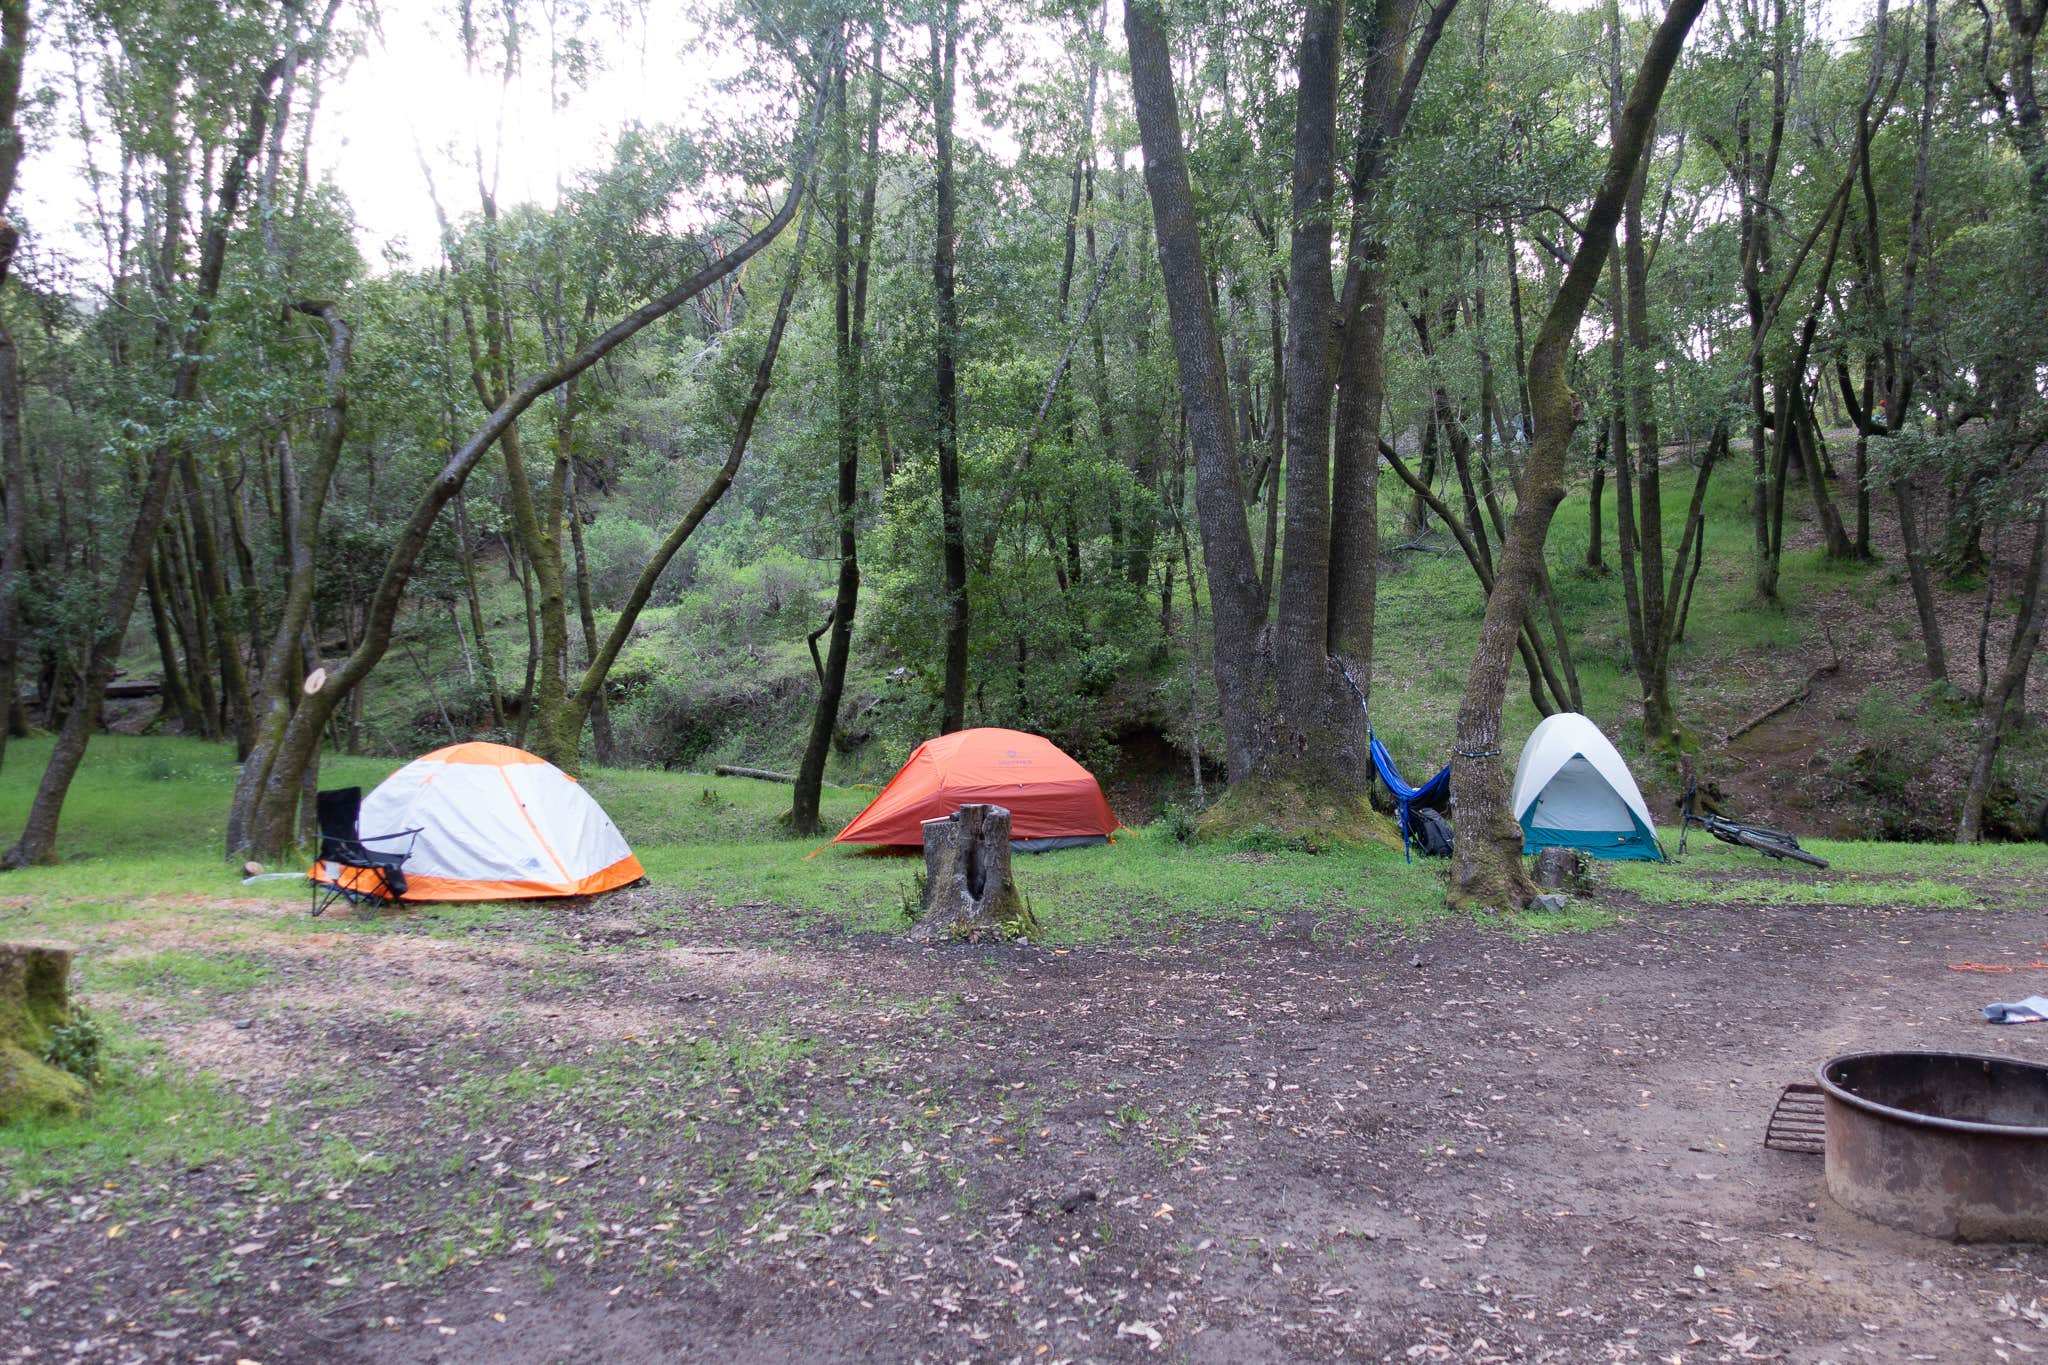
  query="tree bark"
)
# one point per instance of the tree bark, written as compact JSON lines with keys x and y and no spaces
{"x":1391,"y":78}
{"x":270,"y":829}
{"x":1653,"y":667}
{"x":1234,"y":602}
{"x":969,"y":892}
{"x":13,"y":463}
{"x":38,"y":840}
{"x":1487,"y":867}
{"x":1995,"y":717}
{"x":601,"y":742}
{"x":227,"y":641}
{"x":1319,"y":737}
{"x":953,"y":531}
{"x":177,"y":693}
{"x":465,"y":551}
{"x":849,"y":307}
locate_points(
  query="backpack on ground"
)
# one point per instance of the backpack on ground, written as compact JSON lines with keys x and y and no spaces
{"x":1431,"y":833}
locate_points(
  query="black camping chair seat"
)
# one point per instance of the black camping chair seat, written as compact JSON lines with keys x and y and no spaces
{"x":360,"y":874}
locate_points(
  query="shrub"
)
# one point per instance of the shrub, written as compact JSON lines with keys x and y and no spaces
{"x":76,"y":1047}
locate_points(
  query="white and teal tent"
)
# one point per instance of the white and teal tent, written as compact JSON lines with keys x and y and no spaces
{"x":1573,"y":791}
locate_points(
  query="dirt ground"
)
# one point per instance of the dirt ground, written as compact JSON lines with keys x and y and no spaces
{"x":1461,"y":1146}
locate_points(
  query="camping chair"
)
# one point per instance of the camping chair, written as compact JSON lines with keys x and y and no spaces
{"x":362,"y":875}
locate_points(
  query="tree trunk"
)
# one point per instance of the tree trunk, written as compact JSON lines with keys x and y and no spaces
{"x":13,"y":464}
{"x":1276,"y":435}
{"x":1653,"y":668}
{"x":34,"y":1002}
{"x":38,"y":841}
{"x":465,"y":551}
{"x":1234,"y":601}
{"x":270,"y":830}
{"x":177,"y":694}
{"x":1997,"y":713}
{"x":601,"y":741}
{"x":1318,"y":734}
{"x":847,"y":323}
{"x":1921,"y":579}
{"x":213,"y":583}
{"x":953,"y":702}
{"x":1596,"y":494}
{"x":1487,"y":867}
{"x":188,"y":616}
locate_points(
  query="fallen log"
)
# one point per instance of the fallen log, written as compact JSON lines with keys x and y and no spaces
{"x":1825,"y":670}
{"x":758,"y":774}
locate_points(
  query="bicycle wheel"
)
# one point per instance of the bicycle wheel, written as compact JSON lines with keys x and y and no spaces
{"x":1771,"y":848}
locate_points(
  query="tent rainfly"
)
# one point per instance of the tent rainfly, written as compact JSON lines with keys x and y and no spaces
{"x":496,"y":823}
{"x":1053,"y":801}
{"x":1572,"y":790}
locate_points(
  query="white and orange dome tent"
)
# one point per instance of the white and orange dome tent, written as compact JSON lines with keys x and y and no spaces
{"x":495,"y":823}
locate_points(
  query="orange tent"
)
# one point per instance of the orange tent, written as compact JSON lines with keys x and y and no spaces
{"x":1052,"y":800}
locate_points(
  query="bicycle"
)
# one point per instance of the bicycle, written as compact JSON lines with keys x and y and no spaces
{"x":1772,"y":843}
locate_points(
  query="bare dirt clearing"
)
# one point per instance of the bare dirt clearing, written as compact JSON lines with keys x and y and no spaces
{"x":654,"y":1129}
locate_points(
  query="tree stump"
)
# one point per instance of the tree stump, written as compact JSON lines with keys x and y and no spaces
{"x":34,"y":999}
{"x":968,"y":890}
{"x":1560,"y":868}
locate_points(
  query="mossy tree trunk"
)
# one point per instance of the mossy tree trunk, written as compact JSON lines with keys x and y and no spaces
{"x":1295,"y":735}
{"x":1487,"y":868}
{"x":34,"y":1000}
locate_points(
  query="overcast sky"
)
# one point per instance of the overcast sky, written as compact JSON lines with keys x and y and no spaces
{"x":408,"y":93}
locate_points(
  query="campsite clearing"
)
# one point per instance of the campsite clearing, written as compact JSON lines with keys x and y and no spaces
{"x":664,"y":1124}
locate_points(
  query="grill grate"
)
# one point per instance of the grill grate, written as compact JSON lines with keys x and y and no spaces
{"x":1798,"y":1122}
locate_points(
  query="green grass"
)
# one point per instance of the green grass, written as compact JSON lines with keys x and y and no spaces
{"x":723,"y":836}
{"x":146,"y":1116}
{"x":177,"y":972}
{"x":141,"y":837}
{"x":1145,"y":885}
{"x":134,"y":846}
{"x":1928,"y":876}
{"x":146,"y":817}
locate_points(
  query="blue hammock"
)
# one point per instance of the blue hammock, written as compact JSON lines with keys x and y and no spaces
{"x":1406,"y":796}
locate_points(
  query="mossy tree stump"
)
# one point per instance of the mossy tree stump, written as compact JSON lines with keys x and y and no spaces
{"x":968,"y":890}
{"x":34,"y":999}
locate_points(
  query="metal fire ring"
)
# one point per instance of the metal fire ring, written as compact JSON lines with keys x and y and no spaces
{"x":1915,"y":1116}
{"x":1918,"y":1168}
